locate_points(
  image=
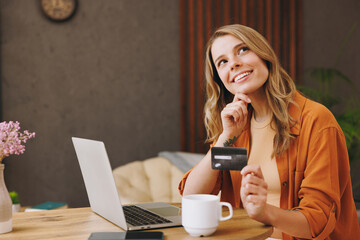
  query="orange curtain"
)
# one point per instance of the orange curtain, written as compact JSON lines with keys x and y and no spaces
{"x":280,"y":21}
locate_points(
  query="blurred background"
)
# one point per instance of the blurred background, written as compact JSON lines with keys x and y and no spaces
{"x":129,"y":73}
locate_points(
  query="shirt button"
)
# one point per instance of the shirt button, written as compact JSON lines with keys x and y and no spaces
{"x":284,"y":184}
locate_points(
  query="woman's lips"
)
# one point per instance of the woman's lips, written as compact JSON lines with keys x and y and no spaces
{"x":242,"y":76}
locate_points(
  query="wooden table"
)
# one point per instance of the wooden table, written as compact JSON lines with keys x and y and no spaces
{"x":78,"y":223}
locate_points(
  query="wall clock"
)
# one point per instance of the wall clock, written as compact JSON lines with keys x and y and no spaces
{"x":59,"y":10}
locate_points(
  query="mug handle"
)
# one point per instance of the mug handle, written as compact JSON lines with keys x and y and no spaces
{"x":228,"y":205}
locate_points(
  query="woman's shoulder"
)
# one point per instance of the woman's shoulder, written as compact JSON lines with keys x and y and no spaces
{"x":316,"y":109}
{"x":315,"y":112}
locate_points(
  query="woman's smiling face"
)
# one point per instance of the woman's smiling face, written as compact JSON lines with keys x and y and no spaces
{"x":239,"y":68}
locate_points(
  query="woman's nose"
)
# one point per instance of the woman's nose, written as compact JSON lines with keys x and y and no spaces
{"x":235,"y":63}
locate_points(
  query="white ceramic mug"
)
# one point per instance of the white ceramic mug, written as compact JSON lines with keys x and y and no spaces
{"x":201,"y":214}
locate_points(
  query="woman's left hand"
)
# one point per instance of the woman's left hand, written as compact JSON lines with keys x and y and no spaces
{"x":253,"y":191}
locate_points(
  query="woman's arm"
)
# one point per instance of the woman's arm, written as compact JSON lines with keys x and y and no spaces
{"x":254,"y":194}
{"x":291,"y":222}
{"x":202,"y":179}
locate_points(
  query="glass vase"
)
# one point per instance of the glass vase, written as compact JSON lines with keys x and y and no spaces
{"x":5,"y":205}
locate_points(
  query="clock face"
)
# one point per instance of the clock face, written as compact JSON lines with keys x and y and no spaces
{"x":59,"y":10}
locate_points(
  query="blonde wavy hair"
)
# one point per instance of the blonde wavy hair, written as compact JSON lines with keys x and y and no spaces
{"x":279,"y":88}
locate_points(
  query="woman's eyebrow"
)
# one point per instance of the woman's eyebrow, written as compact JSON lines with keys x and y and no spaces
{"x":239,"y":45}
{"x":218,"y":58}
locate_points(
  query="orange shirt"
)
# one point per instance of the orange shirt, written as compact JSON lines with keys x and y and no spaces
{"x":314,"y":173}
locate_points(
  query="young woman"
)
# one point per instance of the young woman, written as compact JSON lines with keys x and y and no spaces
{"x":298,"y":175}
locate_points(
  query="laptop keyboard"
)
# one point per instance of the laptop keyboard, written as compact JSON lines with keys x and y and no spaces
{"x":137,"y":216}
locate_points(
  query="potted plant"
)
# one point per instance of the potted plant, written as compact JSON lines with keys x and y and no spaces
{"x":12,"y":141}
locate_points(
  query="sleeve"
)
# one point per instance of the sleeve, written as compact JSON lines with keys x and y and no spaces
{"x":324,"y":179}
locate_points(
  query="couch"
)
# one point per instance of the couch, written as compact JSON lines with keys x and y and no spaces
{"x":154,"y":179}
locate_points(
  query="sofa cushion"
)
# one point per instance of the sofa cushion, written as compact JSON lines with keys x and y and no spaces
{"x":154,"y":179}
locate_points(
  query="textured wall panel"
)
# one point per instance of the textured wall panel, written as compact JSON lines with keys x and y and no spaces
{"x":110,"y":73}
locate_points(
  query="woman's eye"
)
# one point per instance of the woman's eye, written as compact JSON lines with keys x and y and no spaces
{"x":243,"y":49}
{"x":221,"y":62}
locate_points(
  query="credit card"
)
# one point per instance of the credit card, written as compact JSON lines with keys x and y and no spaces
{"x":228,"y":158}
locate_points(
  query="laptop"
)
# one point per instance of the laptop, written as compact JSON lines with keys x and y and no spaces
{"x":105,"y":200}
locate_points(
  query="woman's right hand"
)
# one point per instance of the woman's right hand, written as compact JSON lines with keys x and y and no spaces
{"x":234,"y":115}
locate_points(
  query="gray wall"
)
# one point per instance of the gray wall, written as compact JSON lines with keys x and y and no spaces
{"x":109,"y":73}
{"x":112,"y":73}
{"x":325,"y":26}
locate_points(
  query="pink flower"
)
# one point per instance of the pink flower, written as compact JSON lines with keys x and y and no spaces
{"x":11,"y":139}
